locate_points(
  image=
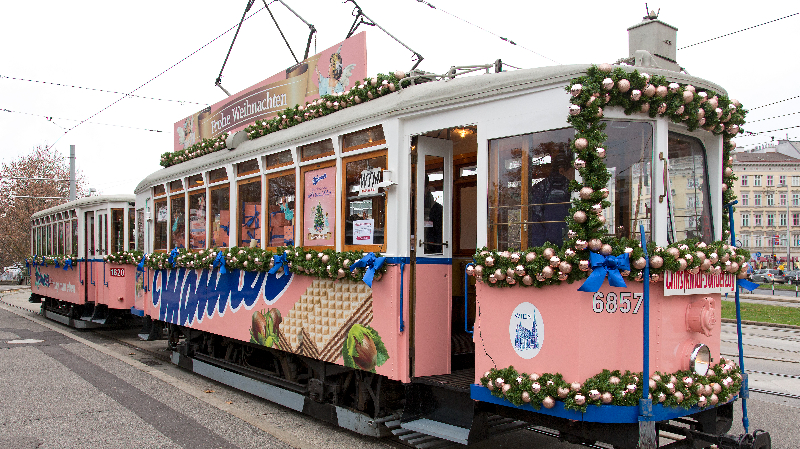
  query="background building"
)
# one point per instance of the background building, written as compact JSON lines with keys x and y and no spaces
{"x":768,"y":214}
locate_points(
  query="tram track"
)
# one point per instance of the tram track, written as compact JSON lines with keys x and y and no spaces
{"x":763,"y":347}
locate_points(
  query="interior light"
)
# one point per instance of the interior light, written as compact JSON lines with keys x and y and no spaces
{"x":700,"y":359}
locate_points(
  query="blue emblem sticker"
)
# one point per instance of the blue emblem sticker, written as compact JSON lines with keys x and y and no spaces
{"x":526,"y":330}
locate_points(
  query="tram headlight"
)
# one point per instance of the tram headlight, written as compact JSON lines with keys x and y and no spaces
{"x":700,"y":359}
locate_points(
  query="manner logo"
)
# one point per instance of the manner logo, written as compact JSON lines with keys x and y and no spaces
{"x":526,"y":330}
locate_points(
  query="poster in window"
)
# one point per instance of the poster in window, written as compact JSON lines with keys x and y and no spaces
{"x":363,"y":232}
{"x":319,"y":207}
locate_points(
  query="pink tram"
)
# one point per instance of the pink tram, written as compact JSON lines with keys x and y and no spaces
{"x":69,"y":270}
{"x":428,"y":257}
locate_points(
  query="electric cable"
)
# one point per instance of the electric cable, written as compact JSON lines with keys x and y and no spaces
{"x":50,"y":119}
{"x":776,"y":102}
{"x":165,"y":70}
{"x":487,"y":31}
{"x":770,"y":118}
{"x":744,"y":29}
{"x":102,"y":90}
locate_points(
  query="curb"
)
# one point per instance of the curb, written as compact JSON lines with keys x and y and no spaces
{"x":757,"y":323}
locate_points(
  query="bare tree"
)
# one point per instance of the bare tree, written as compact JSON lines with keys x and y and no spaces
{"x":21,"y":197}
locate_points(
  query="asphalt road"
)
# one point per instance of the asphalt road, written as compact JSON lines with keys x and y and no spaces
{"x":63,"y":388}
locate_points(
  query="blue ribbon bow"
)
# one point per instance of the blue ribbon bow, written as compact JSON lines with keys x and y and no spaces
{"x":227,"y":229}
{"x":55,"y":262}
{"x":280,"y":261}
{"x":371,"y":263}
{"x":140,"y":265}
{"x":606,"y":265}
{"x":747,"y":285}
{"x":172,"y":255}
{"x":219,"y":261}
{"x":68,"y":264}
{"x":252,"y":221}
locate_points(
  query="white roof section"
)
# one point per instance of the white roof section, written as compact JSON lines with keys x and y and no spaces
{"x":86,"y":203}
{"x":412,"y":100}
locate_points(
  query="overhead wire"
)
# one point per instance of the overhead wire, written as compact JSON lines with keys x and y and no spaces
{"x":424,"y":2}
{"x":165,"y":70}
{"x":770,"y":118}
{"x":744,"y":29}
{"x":101,"y":90}
{"x":50,"y":119}
{"x":775,"y":102}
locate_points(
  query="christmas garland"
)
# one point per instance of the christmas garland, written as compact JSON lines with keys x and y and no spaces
{"x":56,"y":260}
{"x":206,"y":146}
{"x":363,"y":91}
{"x":323,"y":264}
{"x":680,"y":389}
{"x":635,"y":92}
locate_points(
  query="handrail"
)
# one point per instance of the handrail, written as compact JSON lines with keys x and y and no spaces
{"x":80,"y":277}
{"x":466,"y":308}
{"x":91,"y":271}
{"x":402,"y":323}
{"x":648,"y":437}
{"x":744,"y":390}
{"x":104,"y":273}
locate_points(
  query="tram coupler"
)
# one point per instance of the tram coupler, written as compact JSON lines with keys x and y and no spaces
{"x":759,"y":439}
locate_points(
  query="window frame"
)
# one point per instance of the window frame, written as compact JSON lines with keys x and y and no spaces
{"x":381,"y":247}
{"x":333,"y":162}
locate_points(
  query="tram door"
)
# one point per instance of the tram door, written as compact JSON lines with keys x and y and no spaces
{"x":89,"y":252}
{"x":433,"y":256}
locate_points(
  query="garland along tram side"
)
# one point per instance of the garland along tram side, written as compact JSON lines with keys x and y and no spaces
{"x":283,"y":261}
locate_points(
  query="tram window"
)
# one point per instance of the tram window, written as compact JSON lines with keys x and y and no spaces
{"x":140,"y":229}
{"x":280,"y":209}
{"x":90,"y":236}
{"x":176,"y":186}
{"x":529,"y":189}
{"x":177,"y":222}
{"x":247,"y":168}
{"x":317,"y":150}
{"x":365,"y":206}
{"x":131,"y":229}
{"x":197,"y":220}
{"x":318,"y":225}
{"x":74,"y":235}
{"x":53,"y":244}
{"x":160,"y":231}
{"x":195,"y":181}
{"x":629,"y":152}
{"x":117,"y":230}
{"x":62,"y":238}
{"x":220,"y":216}
{"x":363,"y":139}
{"x":159,"y":190}
{"x":217,"y":175}
{"x":102,"y":223}
{"x":433,"y":206}
{"x":689,"y":200}
{"x":279,"y":159}
{"x":249,"y":212}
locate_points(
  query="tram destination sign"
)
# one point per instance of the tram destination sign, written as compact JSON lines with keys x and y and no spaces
{"x":331,"y":71}
{"x":686,"y":283}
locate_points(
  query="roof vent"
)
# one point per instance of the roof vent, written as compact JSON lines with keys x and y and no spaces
{"x":652,"y":43}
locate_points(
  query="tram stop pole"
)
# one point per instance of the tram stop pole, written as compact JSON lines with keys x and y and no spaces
{"x":648,"y":438}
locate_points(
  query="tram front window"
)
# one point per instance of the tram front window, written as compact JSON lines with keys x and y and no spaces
{"x":689,"y":199}
{"x":529,"y":189}
{"x":629,"y":151}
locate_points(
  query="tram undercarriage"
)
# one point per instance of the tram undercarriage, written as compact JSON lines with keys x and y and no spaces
{"x":84,"y":316}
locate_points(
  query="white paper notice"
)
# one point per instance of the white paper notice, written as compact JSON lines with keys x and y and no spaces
{"x":363,"y":231}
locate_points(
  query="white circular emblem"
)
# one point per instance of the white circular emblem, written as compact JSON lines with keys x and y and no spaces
{"x":526,"y":330}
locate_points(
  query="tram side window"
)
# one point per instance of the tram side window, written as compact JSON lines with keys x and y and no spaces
{"x":249,"y":212}
{"x":689,"y":198}
{"x":529,"y":189}
{"x":117,"y":230}
{"x":197,"y":220}
{"x":280,"y":209}
{"x":365,"y":205}
{"x":47,"y":247}
{"x":140,"y":228}
{"x":160,"y":231}
{"x":63,"y":233}
{"x":629,"y":152}
{"x":220,"y":216}
{"x":131,"y":229}
{"x":178,"y":222}
{"x":103,"y":233}
{"x":75,"y":236}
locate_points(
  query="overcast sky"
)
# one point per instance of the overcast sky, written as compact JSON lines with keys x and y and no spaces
{"x":119,"y":46}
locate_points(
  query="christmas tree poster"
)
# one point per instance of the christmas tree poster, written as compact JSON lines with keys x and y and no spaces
{"x":319,"y":207}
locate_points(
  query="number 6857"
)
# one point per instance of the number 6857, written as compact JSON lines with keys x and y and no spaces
{"x":612,"y":302}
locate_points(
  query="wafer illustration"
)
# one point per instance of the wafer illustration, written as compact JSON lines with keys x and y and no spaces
{"x":317,"y":324}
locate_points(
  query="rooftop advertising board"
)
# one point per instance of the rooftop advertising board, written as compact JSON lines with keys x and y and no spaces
{"x":333,"y":70}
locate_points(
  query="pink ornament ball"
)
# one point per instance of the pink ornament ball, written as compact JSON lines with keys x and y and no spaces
{"x":526,"y":397}
{"x":601,"y":152}
{"x":594,"y":395}
{"x":580,"y":399}
{"x":580,"y":216}
{"x":605,"y":67}
{"x":595,"y":244}
{"x":548,"y":253}
{"x":606,"y":398}
{"x":636,"y":95}
{"x":563,"y":392}
{"x":645,"y":108}
{"x":581,"y":143}
{"x":623,"y":85}
{"x":548,"y":402}
{"x":656,"y":262}
{"x":530,"y":257}
{"x":614,"y":380}
{"x":608,"y":84}
{"x":649,"y":90}
{"x":678,"y":397}
{"x":575,"y":90}
{"x":606,"y":249}
{"x":688,"y":97}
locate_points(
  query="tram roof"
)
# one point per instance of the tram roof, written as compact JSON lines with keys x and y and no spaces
{"x":87,"y":201}
{"x":411,"y":100}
